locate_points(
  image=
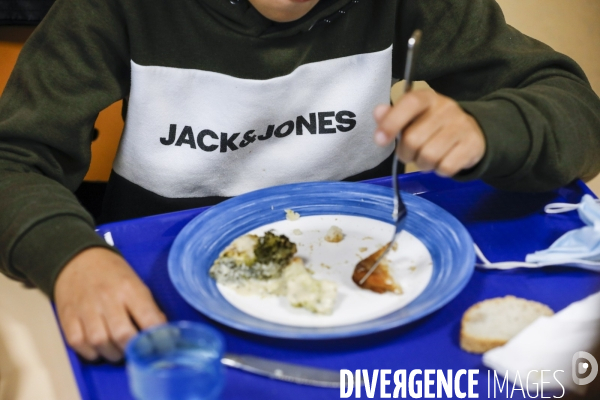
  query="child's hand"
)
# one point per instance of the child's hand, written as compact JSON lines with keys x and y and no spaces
{"x":436,"y":133}
{"x":97,"y":296}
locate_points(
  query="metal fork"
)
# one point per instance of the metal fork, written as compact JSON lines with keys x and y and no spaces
{"x":399,"y":213}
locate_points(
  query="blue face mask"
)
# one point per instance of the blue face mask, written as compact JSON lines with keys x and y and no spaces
{"x":576,"y":248}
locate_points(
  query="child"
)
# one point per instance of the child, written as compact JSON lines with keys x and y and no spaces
{"x":227,"y":96}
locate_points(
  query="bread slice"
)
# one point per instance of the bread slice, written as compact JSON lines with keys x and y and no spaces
{"x":492,"y":323}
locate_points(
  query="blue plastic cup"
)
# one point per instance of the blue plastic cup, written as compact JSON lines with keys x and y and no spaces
{"x":180,"y":360}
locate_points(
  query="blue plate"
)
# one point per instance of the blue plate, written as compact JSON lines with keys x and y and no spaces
{"x":202,"y":239}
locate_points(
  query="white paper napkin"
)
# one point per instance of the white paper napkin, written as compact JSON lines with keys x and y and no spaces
{"x":549,"y":344}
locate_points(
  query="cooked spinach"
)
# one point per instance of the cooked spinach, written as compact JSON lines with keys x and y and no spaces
{"x":274,"y":248}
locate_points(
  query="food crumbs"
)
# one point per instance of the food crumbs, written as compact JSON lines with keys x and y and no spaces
{"x":334,"y":235}
{"x":325,"y":266}
{"x":362,"y":249}
{"x":395,"y":246}
{"x":290,"y":215}
{"x":297,"y":232}
{"x":367,"y":238}
{"x":413,"y":268}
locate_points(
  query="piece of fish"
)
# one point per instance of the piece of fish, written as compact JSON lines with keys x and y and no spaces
{"x":380,"y":281}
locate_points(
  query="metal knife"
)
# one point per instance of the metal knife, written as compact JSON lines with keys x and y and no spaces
{"x":283,"y":371}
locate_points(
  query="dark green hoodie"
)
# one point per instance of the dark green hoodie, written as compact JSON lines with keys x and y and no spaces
{"x":222,"y":101}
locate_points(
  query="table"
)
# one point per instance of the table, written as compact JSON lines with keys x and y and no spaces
{"x":506,"y":226}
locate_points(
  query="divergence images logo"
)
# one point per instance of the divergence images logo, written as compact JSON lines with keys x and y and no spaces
{"x":584,"y":368}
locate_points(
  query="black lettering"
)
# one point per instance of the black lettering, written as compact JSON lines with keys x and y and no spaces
{"x":279,"y":131}
{"x":187,"y":137}
{"x":268,"y":134}
{"x":200,"y":139}
{"x":324,"y":123}
{"x":248,"y":138}
{"x":225,"y":143}
{"x":171,"y":139}
{"x":310,"y":126}
{"x":348,"y":123}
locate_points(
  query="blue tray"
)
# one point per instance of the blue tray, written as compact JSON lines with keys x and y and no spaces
{"x":506,"y":226}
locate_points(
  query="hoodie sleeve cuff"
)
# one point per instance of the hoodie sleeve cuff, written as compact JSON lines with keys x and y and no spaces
{"x":45,"y":249}
{"x":507,"y":139}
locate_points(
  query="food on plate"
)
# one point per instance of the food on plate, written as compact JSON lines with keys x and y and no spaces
{"x":334,"y":235}
{"x":380,"y":281}
{"x":493,"y":322}
{"x":302,"y":290}
{"x":291,"y":215}
{"x":297,"y":232}
{"x":265,"y":265}
{"x":253,"y":257}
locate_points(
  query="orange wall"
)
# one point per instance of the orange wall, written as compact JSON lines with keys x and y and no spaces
{"x":109,"y":122}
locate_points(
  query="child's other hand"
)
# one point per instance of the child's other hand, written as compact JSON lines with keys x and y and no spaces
{"x":97,"y":296}
{"x":436,"y":133}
